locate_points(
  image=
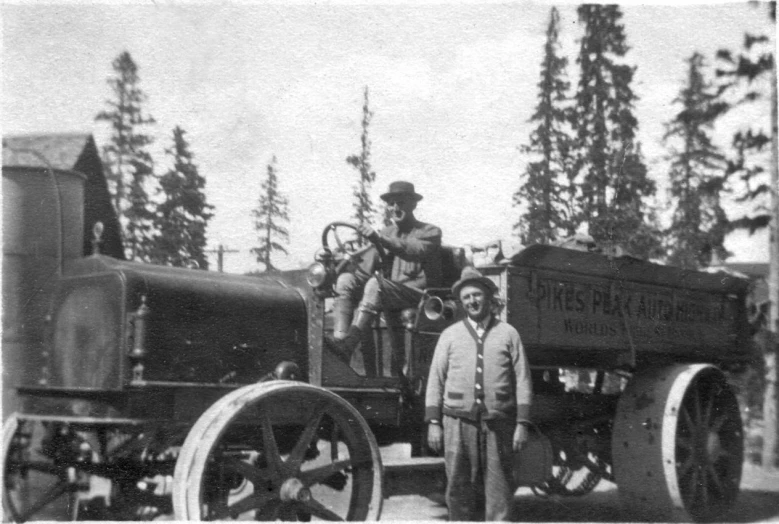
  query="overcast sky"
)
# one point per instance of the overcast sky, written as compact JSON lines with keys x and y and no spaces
{"x":452,"y":87}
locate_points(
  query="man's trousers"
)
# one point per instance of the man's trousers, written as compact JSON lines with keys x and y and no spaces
{"x":390,"y":295}
{"x":479,"y":475}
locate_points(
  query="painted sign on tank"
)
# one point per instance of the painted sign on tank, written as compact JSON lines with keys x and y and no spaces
{"x":601,"y":313}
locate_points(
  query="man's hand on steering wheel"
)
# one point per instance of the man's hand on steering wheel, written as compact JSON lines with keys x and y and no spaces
{"x":368,"y":232}
{"x":350,"y":255}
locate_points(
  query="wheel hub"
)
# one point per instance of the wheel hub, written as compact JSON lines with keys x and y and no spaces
{"x":707,"y":447}
{"x":713,"y":446}
{"x":293,"y":490}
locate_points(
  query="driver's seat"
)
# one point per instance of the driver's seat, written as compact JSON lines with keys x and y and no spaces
{"x":453,"y":261}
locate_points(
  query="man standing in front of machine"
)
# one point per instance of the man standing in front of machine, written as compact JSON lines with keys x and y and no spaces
{"x":416,"y":265}
{"x":477,"y":404}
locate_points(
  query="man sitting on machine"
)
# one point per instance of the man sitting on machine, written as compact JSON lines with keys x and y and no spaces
{"x":414,"y":264}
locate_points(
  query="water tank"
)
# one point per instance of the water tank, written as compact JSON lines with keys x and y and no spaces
{"x":43,"y":228}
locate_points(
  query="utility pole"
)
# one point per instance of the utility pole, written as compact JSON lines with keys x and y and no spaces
{"x":771,"y":399}
{"x":220,"y":253}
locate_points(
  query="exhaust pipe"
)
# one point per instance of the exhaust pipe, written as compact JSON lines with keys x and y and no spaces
{"x":435,"y":308}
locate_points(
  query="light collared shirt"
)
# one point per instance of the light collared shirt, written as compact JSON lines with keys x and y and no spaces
{"x":480,"y":327}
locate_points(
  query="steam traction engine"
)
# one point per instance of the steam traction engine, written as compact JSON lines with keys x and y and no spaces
{"x":212,"y":396}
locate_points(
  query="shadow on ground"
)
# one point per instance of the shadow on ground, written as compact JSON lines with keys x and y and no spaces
{"x":755,"y":505}
{"x":422,"y":499}
{"x":751,"y":506}
{"x":595,"y":507}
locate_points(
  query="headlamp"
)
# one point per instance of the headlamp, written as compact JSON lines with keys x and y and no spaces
{"x":317,"y":275}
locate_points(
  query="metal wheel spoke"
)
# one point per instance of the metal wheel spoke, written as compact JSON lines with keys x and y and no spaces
{"x":696,"y":401}
{"x":253,"y":474}
{"x":686,"y":466}
{"x":704,"y":485}
{"x":49,"y":496}
{"x":318,"y":475}
{"x":317,"y":509}
{"x":726,"y":455}
{"x":694,"y":479}
{"x":334,"y":443}
{"x":707,"y":412}
{"x":255,"y":501}
{"x":271,"y":448}
{"x":712,"y":473}
{"x":42,"y":467}
{"x":687,"y":419}
{"x":718,"y":422}
{"x":298,"y":452}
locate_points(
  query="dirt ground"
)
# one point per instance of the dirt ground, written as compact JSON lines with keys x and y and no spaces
{"x":757,"y":502}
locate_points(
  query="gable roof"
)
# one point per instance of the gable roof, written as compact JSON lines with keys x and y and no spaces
{"x":61,"y":150}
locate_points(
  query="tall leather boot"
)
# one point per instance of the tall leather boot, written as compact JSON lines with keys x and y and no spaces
{"x":363,"y":321}
{"x":346,"y":346}
{"x":343,"y":310}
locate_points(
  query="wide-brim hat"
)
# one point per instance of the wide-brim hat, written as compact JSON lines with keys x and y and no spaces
{"x":401,"y":188}
{"x":472,"y":275}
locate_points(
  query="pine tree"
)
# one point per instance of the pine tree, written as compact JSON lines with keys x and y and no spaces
{"x":271,"y":211}
{"x":699,"y":224}
{"x":751,"y":70}
{"x":126,"y":158}
{"x":549,"y":213}
{"x":609,"y":166}
{"x":363,"y":205}
{"x":182,"y":217}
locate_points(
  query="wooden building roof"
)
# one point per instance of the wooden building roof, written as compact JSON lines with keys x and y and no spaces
{"x":61,"y":150}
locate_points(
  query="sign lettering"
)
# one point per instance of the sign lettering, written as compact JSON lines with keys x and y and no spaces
{"x":600,"y":301}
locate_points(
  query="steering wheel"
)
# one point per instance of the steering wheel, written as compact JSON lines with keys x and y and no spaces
{"x":347,"y":248}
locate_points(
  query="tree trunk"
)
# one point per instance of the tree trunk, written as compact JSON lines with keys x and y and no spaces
{"x":771,"y":400}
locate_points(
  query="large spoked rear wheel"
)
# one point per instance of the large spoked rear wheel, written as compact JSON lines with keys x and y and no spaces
{"x":39,"y":480}
{"x":678,"y":445}
{"x":279,"y":450}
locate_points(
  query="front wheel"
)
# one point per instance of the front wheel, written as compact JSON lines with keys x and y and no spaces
{"x":40,"y":480}
{"x":279,"y":450}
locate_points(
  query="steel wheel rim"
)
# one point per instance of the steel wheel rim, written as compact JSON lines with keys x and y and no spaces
{"x":709,"y":448}
{"x":284,"y":485}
